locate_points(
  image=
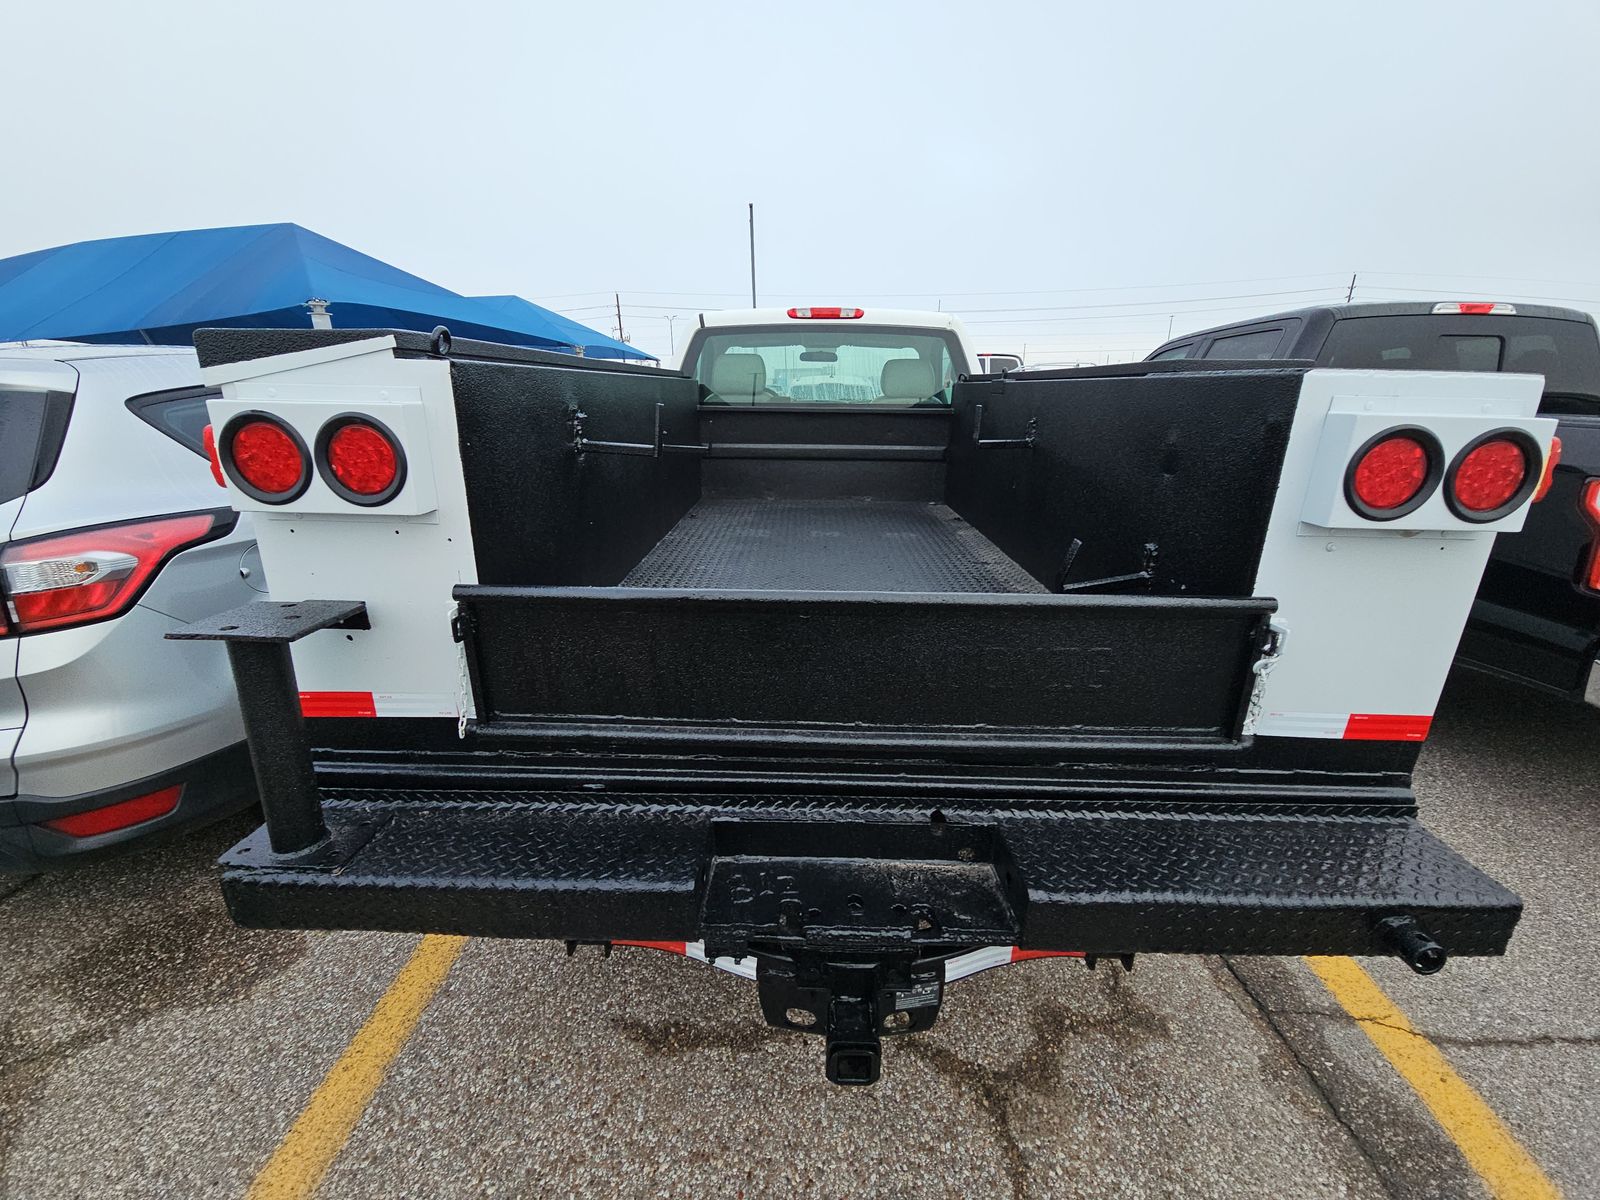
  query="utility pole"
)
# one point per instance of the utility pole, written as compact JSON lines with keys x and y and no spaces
{"x":1351,"y":294}
{"x":672,"y":342}
{"x":617,"y":296}
{"x":1170,"y":317}
{"x":752,"y":255}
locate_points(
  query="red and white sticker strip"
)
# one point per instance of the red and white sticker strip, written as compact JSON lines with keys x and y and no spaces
{"x":1356,"y":727}
{"x":377,"y":704}
{"x":955,"y":968}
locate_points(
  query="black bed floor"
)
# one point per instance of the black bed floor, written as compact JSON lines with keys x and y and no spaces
{"x":830,"y":546}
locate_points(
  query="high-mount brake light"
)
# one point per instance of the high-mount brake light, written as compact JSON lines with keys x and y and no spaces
{"x":360,"y":459}
{"x":1393,"y":473}
{"x":265,"y":458}
{"x":1492,"y":475}
{"x":93,"y":574}
{"x":826,"y":314}
{"x":1551,"y":461}
{"x":1476,"y":308}
{"x":1591,"y":508}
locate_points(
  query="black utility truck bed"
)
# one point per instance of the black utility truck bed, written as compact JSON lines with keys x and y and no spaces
{"x":847,"y":692}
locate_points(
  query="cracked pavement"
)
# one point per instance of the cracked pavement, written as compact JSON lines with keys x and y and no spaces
{"x":147,"y":1046}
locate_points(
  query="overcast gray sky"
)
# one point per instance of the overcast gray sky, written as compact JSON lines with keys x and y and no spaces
{"x":1102,"y":167}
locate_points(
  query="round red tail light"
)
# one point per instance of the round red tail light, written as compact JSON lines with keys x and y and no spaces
{"x":360,"y":460}
{"x":1392,"y":474}
{"x":1493,"y":474}
{"x":265,"y":458}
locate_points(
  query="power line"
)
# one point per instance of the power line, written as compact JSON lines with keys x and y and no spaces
{"x":1411,"y":291}
{"x":1491,"y":278}
{"x":1024,"y":322}
{"x":1147,"y":303}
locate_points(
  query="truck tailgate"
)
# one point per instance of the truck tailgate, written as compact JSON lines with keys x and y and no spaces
{"x":897,"y":670}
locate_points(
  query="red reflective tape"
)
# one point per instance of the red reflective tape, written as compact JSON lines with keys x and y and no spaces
{"x":1018,"y":954}
{"x":120,"y":815}
{"x":669,"y":947}
{"x":1385,"y":727}
{"x":337,"y":704}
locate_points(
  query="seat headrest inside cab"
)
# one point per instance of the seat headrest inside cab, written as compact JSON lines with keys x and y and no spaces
{"x":738,"y":376}
{"x":908,"y":379}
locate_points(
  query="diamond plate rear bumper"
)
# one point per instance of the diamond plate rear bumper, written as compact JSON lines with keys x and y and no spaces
{"x":796,"y":872}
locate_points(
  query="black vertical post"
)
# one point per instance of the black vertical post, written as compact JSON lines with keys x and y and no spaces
{"x":269,"y":699}
{"x":752,"y":254}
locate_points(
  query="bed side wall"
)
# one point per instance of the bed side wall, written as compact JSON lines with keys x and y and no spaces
{"x":1187,"y":464}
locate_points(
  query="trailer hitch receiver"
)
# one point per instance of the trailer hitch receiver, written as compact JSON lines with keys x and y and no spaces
{"x":853,"y":1002}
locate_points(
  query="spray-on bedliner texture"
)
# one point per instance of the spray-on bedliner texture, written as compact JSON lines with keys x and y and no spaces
{"x":831,"y":546}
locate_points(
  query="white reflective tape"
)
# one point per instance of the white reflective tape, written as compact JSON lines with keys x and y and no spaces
{"x":963,"y":965}
{"x":1303,"y":724}
{"x":413,"y":704}
{"x":744,"y":968}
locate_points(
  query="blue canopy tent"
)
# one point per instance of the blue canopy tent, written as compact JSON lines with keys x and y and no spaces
{"x":159,"y":288}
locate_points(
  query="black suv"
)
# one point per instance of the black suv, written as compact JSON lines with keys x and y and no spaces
{"x":1537,"y":615}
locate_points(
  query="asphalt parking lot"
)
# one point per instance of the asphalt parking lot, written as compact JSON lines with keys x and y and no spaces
{"x":148,"y":1047}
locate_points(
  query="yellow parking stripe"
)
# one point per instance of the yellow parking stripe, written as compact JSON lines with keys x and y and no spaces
{"x":329,"y":1117}
{"x":1489,"y":1147}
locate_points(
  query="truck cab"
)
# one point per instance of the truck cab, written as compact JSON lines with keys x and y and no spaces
{"x":1536,"y":621}
{"x":860,"y":689}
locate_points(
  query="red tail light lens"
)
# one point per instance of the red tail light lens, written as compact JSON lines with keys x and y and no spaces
{"x":1392,"y":474}
{"x":93,"y":574}
{"x":360,"y":460}
{"x":1551,"y":462}
{"x":265,"y":458}
{"x":826,"y":314}
{"x":120,"y":815}
{"x":1492,"y":475}
{"x":1591,"y":509}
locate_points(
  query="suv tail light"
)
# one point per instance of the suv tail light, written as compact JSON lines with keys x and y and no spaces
{"x":360,"y":459}
{"x":826,"y":314}
{"x":1393,"y":473}
{"x":1591,"y":509}
{"x":1492,"y":475}
{"x":265,"y":459}
{"x":1551,"y":462}
{"x":94,"y":574}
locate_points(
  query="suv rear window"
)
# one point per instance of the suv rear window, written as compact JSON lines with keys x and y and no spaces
{"x":32,"y":426}
{"x":829,"y":365}
{"x":1566,"y":353}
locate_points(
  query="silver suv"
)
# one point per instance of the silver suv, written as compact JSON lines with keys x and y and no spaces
{"x":112,"y":531}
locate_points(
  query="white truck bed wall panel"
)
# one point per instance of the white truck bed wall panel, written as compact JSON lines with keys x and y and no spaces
{"x":1454,"y":414}
{"x":401,"y":559}
{"x":1374,"y":612}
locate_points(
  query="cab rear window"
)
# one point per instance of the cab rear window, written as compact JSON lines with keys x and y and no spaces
{"x":829,"y":365}
{"x":1257,"y":343}
{"x":1566,"y":353}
